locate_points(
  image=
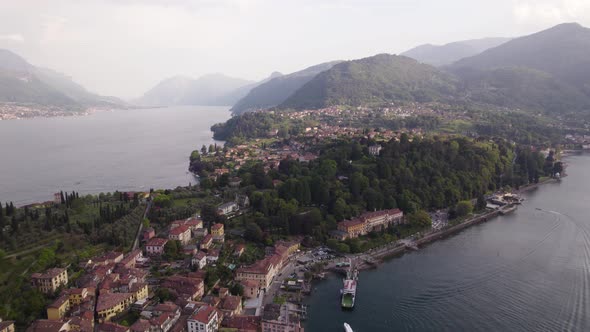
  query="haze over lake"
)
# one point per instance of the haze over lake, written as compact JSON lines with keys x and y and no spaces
{"x":527,"y":271}
{"x":108,"y":151}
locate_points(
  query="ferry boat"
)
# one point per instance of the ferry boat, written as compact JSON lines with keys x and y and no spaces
{"x":349,"y":290}
{"x":347,"y":328}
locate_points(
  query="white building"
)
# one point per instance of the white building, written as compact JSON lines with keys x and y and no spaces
{"x":199,"y":260}
{"x":228,"y":208}
{"x":204,"y":319}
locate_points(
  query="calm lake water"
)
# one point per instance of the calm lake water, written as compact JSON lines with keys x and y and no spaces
{"x":107,"y":151}
{"x":524,"y":272}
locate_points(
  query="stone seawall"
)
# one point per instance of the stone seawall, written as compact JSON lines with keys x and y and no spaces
{"x":384,"y":253}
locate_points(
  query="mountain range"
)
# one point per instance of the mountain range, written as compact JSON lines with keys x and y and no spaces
{"x":21,"y":82}
{"x":545,"y":71}
{"x":440,"y":55}
{"x":276,"y":90}
{"x":212,"y":89}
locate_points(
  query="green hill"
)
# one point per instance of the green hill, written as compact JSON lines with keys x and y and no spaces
{"x":278,"y":89}
{"x":377,"y":79}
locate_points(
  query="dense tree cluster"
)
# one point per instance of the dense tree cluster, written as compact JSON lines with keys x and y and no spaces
{"x":410,"y":174}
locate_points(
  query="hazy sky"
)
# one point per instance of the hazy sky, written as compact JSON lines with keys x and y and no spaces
{"x":122,"y":48}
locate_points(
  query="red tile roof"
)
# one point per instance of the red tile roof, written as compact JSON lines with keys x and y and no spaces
{"x":157,"y":242}
{"x":49,"y":273}
{"x":242,"y":323}
{"x":179,"y":230}
{"x":108,"y":300}
{"x":207,"y":238}
{"x":112,"y":327}
{"x":350,"y":223}
{"x":217,"y":226}
{"x":231,"y":302}
{"x":204,"y":315}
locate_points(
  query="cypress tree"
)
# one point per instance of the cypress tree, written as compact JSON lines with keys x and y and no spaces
{"x":63,"y":200}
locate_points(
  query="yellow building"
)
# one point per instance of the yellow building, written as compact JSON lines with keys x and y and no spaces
{"x":51,"y":280}
{"x":58,"y":309}
{"x":111,"y":304}
{"x":140,"y":291}
{"x":353,"y":228}
{"x":77,"y":295}
{"x":217,"y":229}
{"x":262,"y":271}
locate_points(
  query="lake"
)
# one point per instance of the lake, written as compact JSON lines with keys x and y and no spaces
{"x":123,"y":150}
{"x":527,"y":271}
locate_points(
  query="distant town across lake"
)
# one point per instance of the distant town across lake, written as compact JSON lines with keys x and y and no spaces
{"x":107,"y":151}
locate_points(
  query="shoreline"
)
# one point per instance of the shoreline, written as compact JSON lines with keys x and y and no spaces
{"x":372,"y":259}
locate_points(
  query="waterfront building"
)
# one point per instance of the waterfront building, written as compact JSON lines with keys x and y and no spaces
{"x":367,"y":222}
{"x":262,"y":272}
{"x":352,"y":228}
{"x":50,"y":280}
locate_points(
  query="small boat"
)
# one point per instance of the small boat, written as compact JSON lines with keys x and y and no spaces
{"x":347,"y":328}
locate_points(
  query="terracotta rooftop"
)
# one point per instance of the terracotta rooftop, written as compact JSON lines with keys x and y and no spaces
{"x":179,"y":230}
{"x":111,"y":327}
{"x":141,"y":325}
{"x":46,"y":325}
{"x":207,"y":238}
{"x":249,"y":283}
{"x":60,"y":301}
{"x":242,"y":323}
{"x":108,"y":300}
{"x":204,"y":314}
{"x":217,"y":226}
{"x":231,"y":302}
{"x":157,"y":242}
{"x":350,"y":223}
{"x":5,"y":324}
{"x":49,"y":273}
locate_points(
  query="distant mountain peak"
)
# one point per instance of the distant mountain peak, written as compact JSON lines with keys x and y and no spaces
{"x":441,"y":55}
{"x":13,"y":62}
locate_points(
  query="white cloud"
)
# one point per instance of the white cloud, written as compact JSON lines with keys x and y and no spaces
{"x":551,"y":12}
{"x":15,"y":37}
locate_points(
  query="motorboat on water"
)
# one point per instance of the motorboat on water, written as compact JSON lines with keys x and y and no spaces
{"x":347,"y":328}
